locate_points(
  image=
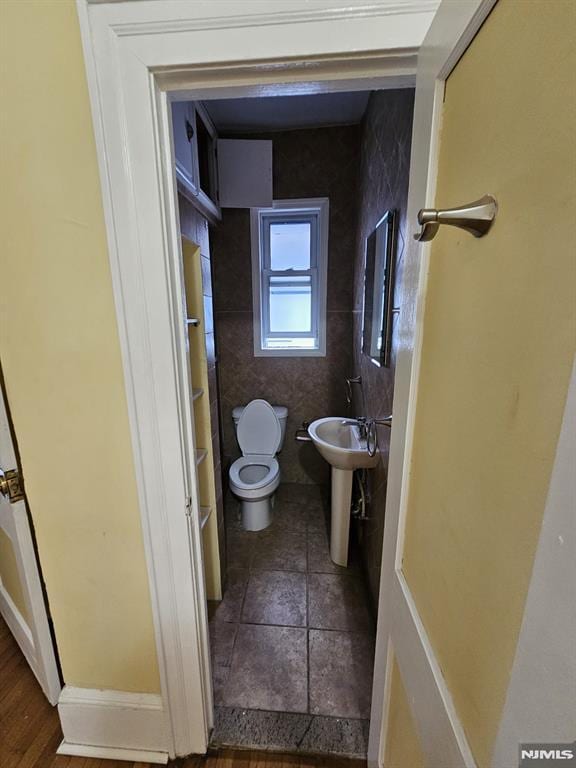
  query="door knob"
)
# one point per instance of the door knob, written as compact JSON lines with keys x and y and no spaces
{"x":476,"y":218}
{"x":10,"y":485}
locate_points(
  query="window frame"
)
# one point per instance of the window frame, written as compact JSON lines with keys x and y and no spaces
{"x":317,"y":211}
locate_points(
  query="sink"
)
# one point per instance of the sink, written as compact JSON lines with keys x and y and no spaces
{"x":338,"y":441}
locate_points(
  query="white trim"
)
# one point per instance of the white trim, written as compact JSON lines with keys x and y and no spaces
{"x":113,"y":753}
{"x":107,"y":720}
{"x":176,"y":18}
{"x":18,"y":626}
{"x":319,"y":207}
{"x":439,"y":729}
{"x":540,"y":703}
{"x":453,"y":27}
{"x":124,"y":44}
{"x":135,"y":53}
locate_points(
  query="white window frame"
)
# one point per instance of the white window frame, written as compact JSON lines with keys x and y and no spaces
{"x":318,"y":209}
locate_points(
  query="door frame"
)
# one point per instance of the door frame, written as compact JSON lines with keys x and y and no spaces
{"x":136,"y":54}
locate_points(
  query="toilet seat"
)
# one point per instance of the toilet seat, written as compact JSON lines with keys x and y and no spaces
{"x":259,"y":431}
{"x":253,"y":461}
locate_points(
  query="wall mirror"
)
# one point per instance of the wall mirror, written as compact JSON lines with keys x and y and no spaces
{"x":379,"y":290}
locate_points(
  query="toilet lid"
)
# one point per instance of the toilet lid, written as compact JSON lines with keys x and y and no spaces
{"x":259,"y":430}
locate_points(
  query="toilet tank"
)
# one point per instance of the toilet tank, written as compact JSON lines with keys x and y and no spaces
{"x":280,"y":410}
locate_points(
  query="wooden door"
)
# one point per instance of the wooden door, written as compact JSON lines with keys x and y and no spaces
{"x":485,"y":394}
{"x":21,"y":598}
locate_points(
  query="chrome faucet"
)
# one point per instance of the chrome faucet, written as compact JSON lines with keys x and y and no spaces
{"x":362,"y":423}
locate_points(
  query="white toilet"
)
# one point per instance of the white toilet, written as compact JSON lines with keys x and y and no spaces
{"x":260,"y":430}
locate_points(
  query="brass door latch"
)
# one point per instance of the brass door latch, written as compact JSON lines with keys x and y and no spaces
{"x":10,"y":486}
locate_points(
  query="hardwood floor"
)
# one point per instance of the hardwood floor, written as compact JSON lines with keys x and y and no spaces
{"x":30,"y":730}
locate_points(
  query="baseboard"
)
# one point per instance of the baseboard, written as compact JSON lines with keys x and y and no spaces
{"x":113,"y":724}
{"x":113,"y":753}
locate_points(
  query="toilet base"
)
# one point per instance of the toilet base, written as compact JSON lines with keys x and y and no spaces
{"x":257,"y":515}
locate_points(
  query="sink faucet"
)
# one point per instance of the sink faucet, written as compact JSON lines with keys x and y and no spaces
{"x":362,"y":424}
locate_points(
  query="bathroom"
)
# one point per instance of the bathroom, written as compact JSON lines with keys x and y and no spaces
{"x":292,"y":631}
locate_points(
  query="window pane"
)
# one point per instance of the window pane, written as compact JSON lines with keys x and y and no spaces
{"x":290,"y":304}
{"x":290,"y":245}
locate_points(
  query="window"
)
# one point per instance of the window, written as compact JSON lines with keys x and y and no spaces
{"x":289,"y":265}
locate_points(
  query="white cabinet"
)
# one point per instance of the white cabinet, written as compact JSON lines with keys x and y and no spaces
{"x":195,"y":156}
{"x":245,"y":173}
{"x":183,"y":128}
{"x":218,"y":173}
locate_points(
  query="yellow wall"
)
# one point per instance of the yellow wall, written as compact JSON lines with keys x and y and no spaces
{"x":403,"y":748}
{"x":9,"y":575}
{"x":61,"y":358}
{"x":498,"y":349}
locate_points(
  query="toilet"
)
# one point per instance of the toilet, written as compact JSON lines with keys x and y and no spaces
{"x":255,"y":476}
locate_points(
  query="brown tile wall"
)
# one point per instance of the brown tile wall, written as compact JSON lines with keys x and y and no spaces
{"x":319,"y":162}
{"x":386,"y":133}
{"x":194,"y":226}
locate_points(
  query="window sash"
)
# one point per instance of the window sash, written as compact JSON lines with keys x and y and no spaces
{"x":265,"y":304}
{"x":278,"y":343}
{"x":287,"y":217}
{"x":266,"y":272}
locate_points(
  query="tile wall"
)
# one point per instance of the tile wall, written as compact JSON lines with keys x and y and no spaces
{"x":319,"y":162}
{"x":386,"y":133}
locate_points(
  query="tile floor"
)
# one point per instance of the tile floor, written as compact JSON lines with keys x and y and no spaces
{"x":293,"y":638}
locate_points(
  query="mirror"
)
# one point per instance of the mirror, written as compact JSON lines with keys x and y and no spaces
{"x":379,"y":290}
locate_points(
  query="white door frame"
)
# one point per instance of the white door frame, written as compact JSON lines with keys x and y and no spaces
{"x":136,"y":53}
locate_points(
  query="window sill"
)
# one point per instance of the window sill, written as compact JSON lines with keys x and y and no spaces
{"x":289,"y":352}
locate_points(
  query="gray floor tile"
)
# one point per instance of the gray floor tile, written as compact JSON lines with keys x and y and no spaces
{"x":341,"y":665}
{"x":275,"y":597}
{"x":222,"y":636}
{"x":290,"y":516}
{"x":337,"y":736}
{"x":230,"y":607}
{"x":258,"y":729}
{"x":319,"y":560}
{"x":318,"y":520}
{"x":240,"y":548}
{"x":338,"y":602}
{"x":297,"y":492}
{"x":280,"y":551}
{"x":232,"y":513}
{"x":219,"y":679}
{"x":268,"y":669}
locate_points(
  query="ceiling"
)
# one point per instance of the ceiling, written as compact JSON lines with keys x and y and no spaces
{"x":282,"y":112}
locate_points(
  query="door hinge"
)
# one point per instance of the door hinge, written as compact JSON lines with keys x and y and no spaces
{"x":188,"y":506}
{"x":11,"y":485}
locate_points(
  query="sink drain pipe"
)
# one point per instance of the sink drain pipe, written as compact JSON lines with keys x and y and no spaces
{"x":358,"y":510}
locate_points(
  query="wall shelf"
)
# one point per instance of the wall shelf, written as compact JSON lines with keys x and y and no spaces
{"x":196,"y":307}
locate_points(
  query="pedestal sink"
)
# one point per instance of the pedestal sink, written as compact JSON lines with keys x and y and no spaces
{"x":338,"y":441}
